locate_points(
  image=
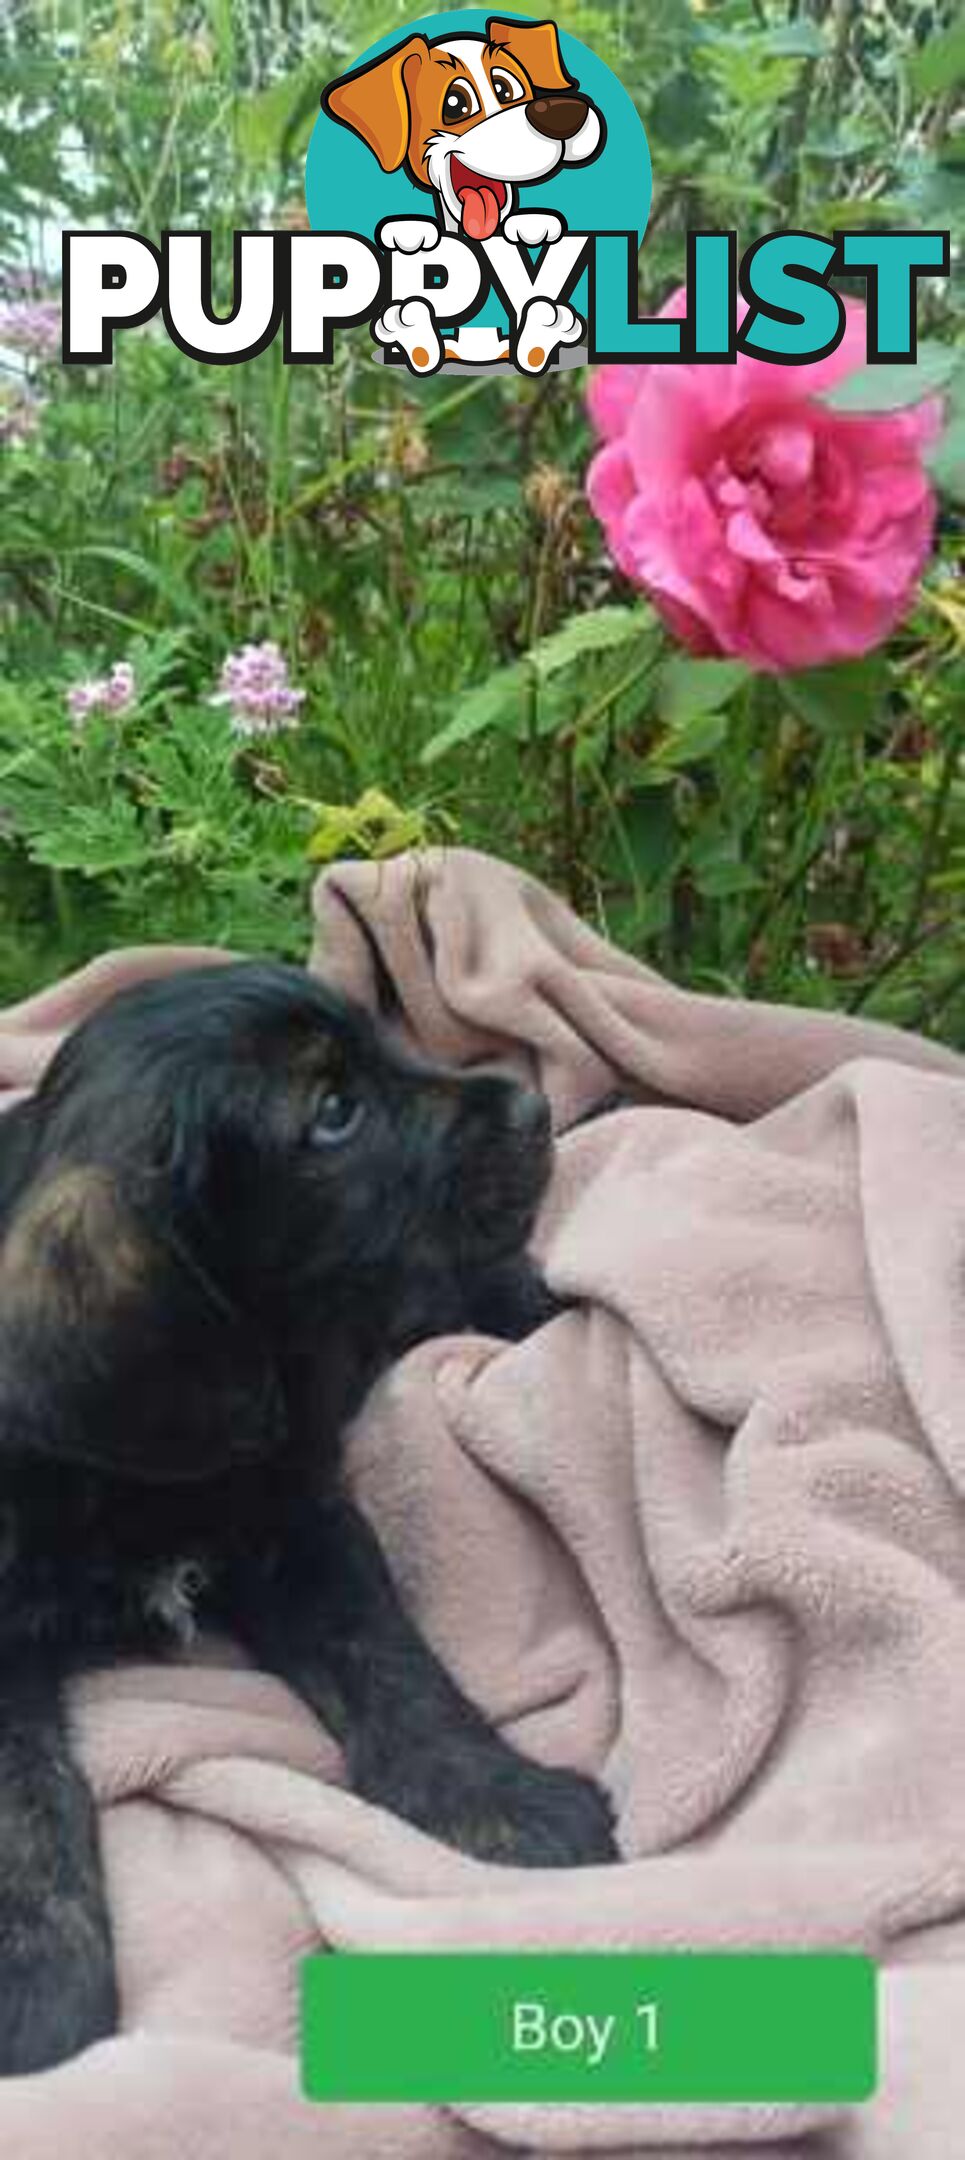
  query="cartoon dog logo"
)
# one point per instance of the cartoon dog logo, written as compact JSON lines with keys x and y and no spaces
{"x":473,"y":119}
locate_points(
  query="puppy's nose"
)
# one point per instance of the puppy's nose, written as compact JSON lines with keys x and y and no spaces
{"x":528,"y":1116}
{"x":559,"y":116}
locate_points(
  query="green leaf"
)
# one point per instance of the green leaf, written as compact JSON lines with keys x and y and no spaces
{"x":844,"y":142}
{"x":585,"y":635}
{"x":799,"y":40}
{"x":946,"y":460}
{"x":504,"y":699}
{"x":688,"y":688}
{"x":724,"y":878}
{"x":177,"y":591}
{"x":650,"y":830}
{"x":94,"y":842}
{"x":688,"y":743}
{"x":482,"y":492}
{"x":848,"y":695}
{"x":843,"y":210}
{"x":497,"y":702}
{"x":889,"y":385}
{"x":719,"y":867}
{"x":940,"y":63}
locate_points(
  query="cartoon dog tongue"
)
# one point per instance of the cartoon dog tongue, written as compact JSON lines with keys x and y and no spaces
{"x":480,"y":208}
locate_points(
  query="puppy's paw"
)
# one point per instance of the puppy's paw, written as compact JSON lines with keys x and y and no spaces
{"x":411,"y":324}
{"x":534,"y":228}
{"x":58,"y":1993}
{"x":482,"y":1797}
{"x":408,"y":235}
{"x":540,"y":1818}
{"x":545,"y":326}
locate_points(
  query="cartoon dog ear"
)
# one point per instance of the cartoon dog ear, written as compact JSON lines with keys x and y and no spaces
{"x":536,"y":45}
{"x":374,"y":101}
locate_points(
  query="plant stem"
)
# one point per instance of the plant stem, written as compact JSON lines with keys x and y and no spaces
{"x":895,"y":960}
{"x":908,"y":938}
{"x":62,"y":907}
{"x":842,"y":16}
{"x":572,"y":874}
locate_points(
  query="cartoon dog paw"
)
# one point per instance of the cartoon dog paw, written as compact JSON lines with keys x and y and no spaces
{"x":545,"y":325}
{"x":411,"y":324}
{"x":534,"y":228}
{"x":408,"y":235}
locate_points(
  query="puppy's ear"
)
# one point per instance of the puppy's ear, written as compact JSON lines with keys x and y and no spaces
{"x":71,"y":1254}
{"x":537,"y":48}
{"x":115,"y":1349}
{"x":374,"y":101}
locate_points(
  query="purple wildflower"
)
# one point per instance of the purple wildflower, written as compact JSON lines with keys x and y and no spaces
{"x":120,"y":688}
{"x":113,"y":693}
{"x":31,"y":327}
{"x":254,"y":683}
{"x":83,"y":698}
{"x":18,"y":281}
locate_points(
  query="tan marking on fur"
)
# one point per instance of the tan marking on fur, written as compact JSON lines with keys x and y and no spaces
{"x":72,"y":1248}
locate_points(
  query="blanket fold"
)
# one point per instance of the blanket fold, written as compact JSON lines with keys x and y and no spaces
{"x":702,"y":1535}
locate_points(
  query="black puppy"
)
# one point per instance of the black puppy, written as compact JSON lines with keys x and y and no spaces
{"x":230,"y":1203}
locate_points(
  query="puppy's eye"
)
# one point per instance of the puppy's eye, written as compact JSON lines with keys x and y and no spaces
{"x":508,"y":89}
{"x":459,"y":103}
{"x":338,"y":1115}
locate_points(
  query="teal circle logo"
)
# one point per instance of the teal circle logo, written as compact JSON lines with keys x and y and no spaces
{"x":479,"y":124}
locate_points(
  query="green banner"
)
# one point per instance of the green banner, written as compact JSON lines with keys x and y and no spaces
{"x":614,"y":2026}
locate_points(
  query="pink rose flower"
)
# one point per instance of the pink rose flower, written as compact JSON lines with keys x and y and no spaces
{"x":763,"y":524}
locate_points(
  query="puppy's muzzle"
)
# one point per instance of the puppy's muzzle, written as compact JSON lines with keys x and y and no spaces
{"x":510,"y":1113}
{"x":528,"y":1118}
{"x":499,"y":1152}
{"x":558,"y":116}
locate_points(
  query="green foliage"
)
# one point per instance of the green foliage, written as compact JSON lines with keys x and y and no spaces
{"x":150,"y":818}
{"x":512,"y":699}
{"x":689,"y":689}
{"x":888,"y":388}
{"x":940,"y":64}
{"x":472,"y":664}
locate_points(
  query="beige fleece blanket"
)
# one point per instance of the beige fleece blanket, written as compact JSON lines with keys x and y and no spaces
{"x":702,"y":1535}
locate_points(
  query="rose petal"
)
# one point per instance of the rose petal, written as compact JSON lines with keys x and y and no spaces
{"x":610,"y":396}
{"x":746,"y":538}
{"x":786,"y":453}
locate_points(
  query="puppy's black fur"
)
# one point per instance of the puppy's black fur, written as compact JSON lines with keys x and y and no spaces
{"x":231,"y":1202}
